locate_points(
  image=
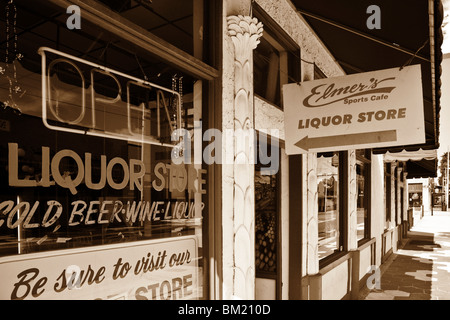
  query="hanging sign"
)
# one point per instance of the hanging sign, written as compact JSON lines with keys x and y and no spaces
{"x":165,"y":269}
{"x":366,"y":110}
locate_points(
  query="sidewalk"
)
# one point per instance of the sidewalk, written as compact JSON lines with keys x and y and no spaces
{"x":420,"y":270}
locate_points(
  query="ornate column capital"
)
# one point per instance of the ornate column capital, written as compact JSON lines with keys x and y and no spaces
{"x":245,"y":33}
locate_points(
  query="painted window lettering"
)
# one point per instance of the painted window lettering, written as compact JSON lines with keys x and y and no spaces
{"x":94,"y":212}
{"x":171,"y":176}
{"x":153,"y":270}
{"x":46,"y":214}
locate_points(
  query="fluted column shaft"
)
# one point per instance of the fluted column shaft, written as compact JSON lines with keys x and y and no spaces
{"x":244,"y":32}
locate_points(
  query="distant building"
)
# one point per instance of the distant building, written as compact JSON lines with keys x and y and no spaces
{"x":420,"y":194}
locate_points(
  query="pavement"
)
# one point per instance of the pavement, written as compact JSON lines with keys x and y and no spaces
{"x":420,"y":269}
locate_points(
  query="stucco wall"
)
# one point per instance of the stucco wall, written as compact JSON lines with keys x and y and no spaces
{"x":266,"y":289}
{"x":335,"y":283}
{"x":364,"y":261}
{"x":312,"y":49}
{"x":269,"y":119}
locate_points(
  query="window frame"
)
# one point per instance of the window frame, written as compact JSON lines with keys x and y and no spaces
{"x":343,"y":196}
{"x":100,"y":14}
{"x":366,"y":159}
{"x":289,"y":70}
{"x":388,"y":194}
{"x":272,"y":274}
{"x":396,"y":186}
{"x":277,"y":273}
{"x":200,"y":68}
{"x":342,"y":237}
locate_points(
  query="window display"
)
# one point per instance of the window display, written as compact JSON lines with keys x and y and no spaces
{"x":266,"y":224}
{"x":90,"y":192}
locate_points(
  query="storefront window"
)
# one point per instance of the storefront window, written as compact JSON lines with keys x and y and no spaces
{"x":266,"y":222}
{"x":329,"y":204}
{"x":387,"y":193}
{"x":363,"y":194}
{"x":396,"y":195}
{"x":177,"y":22}
{"x":93,"y":193}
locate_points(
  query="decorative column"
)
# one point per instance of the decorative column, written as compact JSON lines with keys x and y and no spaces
{"x":311,"y":236}
{"x":244,"y":32}
{"x":401,"y":213}
{"x":405,"y":195}
{"x":352,"y":243}
{"x":393,"y":222}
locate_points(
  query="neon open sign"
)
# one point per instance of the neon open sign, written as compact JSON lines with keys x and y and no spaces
{"x":78,"y":124}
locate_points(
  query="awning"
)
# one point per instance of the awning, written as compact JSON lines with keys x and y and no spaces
{"x":419,"y":164}
{"x":411,"y":155}
{"x":410,"y":34}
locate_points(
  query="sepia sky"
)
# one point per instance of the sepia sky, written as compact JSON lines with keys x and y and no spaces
{"x":444,"y":119}
{"x":446,"y":26}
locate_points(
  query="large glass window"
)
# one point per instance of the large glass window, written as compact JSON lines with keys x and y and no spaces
{"x":90,"y":179}
{"x":387,"y":194}
{"x":267,"y":213}
{"x":396,"y":195}
{"x":266,"y":223}
{"x":330,"y":203}
{"x":178,"y":22}
{"x":363,"y":194}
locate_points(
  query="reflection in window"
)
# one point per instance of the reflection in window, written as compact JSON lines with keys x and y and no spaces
{"x":387,"y":193}
{"x":396,"y":194}
{"x":267,"y":201}
{"x":171,"y":20}
{"x":328,"y":204}
{"x":266,"y":222}
{"x":64,"y":190}
{"x":363,"y":193}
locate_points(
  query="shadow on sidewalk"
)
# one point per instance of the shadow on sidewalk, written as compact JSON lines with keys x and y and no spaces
{"x":408,"y":274}
{"x":443,"y":235}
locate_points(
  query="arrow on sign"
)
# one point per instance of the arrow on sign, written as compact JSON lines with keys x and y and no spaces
{"x":347,"y":139}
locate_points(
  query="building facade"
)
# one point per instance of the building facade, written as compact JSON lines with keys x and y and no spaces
{"x":143,"y":157}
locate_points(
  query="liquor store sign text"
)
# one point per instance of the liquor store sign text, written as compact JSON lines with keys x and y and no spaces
{"x":366,"y":110}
